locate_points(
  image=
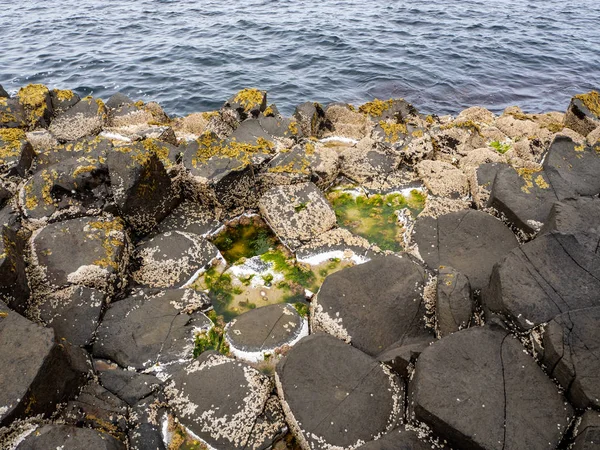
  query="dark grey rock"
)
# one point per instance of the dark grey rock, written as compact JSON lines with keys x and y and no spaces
{"x":481,"y":186}
{"x":400,"y":355}
{"x":37,"y":103}
{"x":278,"y":126}
{"x":469,"y":241}
{"x":3,"y":93}
{"x":247,"y":103}
{"x":297,"y":213}
{"x":262,"y":330}
{"x":587,"y":432}
{"x":67,"y":437}
{"x":334,"y":395}
{"x":92,"y":148}
{"x":36,"y":373}
{"x":73,"y":313}
{"x":141,"y":186}
{"x":12,"y":113}
{"x":478,"y":389}
{"x":97,"y":408}
{"x":143,"y":330}
{"x":250,"y":132}
{"x":454,"y":304}
{"x":397,"y":109}
{"x":5,"y":194}
{"x":87,"y":117}
{"x":219,"y":399}
{"x":89,"y":251}
{"x":117,"y":100}
{"x":128,"y":385}
{"x":572,"y":169}
{"x":579,"y":217}
{"x":270,"y":426}
{"x":579,"y":117}
{"x":16,"y":153}
{"x":63,"y":100}
{"x":572,"y":355}
{"x":311,"y":119}
{"x":14,"y":288}
{"x":172,"y":259}
{"x":146,"y":433}
{"x":550,"y":275}
{"x":403,"y":438}
{"x":373,"y":305}
{"x":190,"y":217}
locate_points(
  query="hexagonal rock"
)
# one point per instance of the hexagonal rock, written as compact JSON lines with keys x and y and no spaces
{"x":470,"y":241}
{"x":550,"y":275}
{"x":36,"y":100}
{"x":128,"y":385}
{"x":454,"y":305}
{"x":63,"y":99}
{"x":373,"y":305}
{"x":190,"y":217}
{"x":67,"y":437}
{"x":572,"y":168}
{"x":36,"y":372}
{"x":219,"y":399}
{"x":12,"y":113}
{"x":89,"y":251}
{"x":146,"y":329}
{"x":16,"y":153}
{"x":172,"y":259}
{"x":572,"y":355}
{"x":297,"y":213}
{"x":14,"y":289}
{"x":583,"y":113}
{"x":94,"y":148}
{"x":404,"y":437}
{"x":335,"y":396}
{"x":71,"y":188}
{"x":262,"y":330}
{"x":401,"y":354}
{"x":221,"y":173}
{"x":335,"y":243}
{"x":142,"y":188}
{"x":363,"y":162}
{"x":587,"y":431}
{"x":478,"y":389}
{"x":389,"y":109}
{"x":87,"y":117}
{"x":311,"y":119}
{"x":579,"y":217}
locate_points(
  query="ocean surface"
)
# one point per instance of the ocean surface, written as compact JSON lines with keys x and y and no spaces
{"x":191,"y":55}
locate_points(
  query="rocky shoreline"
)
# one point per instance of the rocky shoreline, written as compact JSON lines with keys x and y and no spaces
{"x":345,"y":278}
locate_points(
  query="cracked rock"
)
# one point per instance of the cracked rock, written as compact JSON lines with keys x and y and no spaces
{"x":469,"y":241}
{"x":579,"y":217}
{"x":572,"y":355}
{"x":190,"y":217}
{"x":454,"y":304}
{"x":220,"y":400}
{"x":478,"y":389}
{"x":128,"y":385}
{"x":372,"y":305}
{"x":145,"y":329}
{"x":550,"y":275}
{"x":335,"y":396}
{"x":587,"y":432}
{"x":404,"y":437}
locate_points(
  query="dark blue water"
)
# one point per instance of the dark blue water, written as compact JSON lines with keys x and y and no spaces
{"x":191,"y":55}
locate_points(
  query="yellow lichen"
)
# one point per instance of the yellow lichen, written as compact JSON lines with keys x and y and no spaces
{"x":591,"y":100}
{"x":527,"y":175}
{"x":31,"y":201}
{"x":429,"y":119}
{"x":139,"y":104}
{"x":49,"y":177}
{"x":63,"y":95}
{"x":10,"y":146}
{"x":109,"y":243}
{"x":293,"y":127}
{"x":579,"y":148}
{"x":210,"y":114}
{"x":268,"y":111}
{"x":310,"y":148}
{"x":466,"y":124}
{"x":249,"y":98}
{"x":34,"y":98}
{"x":209,"y":147}
{"x":290,"y":168}
{"x":159,"y":149}
{"x":393,"y":131}
{"x":376,"y":107}
{"x":83,"y":169}
{"x":541,"y":183}
{"x":417,"y":133}
{"x":553,"y":127}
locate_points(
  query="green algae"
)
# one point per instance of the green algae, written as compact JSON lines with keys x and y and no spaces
{"x":374,"y":217}
{"x":500,"y":147}
{"x":212,"y":339}
{"x":244,"y":239}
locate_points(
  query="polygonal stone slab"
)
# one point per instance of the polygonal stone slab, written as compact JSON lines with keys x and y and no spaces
{"x":219,"y":399}
{"x":86,"y":117}
{"x":548,"y":276}
{"x":262,"y":330}
{"x":16,"y":153}
{"x":470,"y":241}
{"x":172,"y":259}
{"x":478,"y":389}
{"x":454,"y":303}
{"x":297,"y":213}
{"x":12,"y":113}
{"x":335,"y":396}
{"x":190,"y":217}
{"x":579,"y":217}
{"x":90,"y":251}
{"x":404,"y":437}
{"x":14,"y":289}
{"x":587,"y":431}
{"x":67,"y":437}
{"x":372,"y":305}
{"x":143,"y":330}
{"x":572,"y":355}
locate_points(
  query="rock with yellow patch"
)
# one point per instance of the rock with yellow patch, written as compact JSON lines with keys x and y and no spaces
{"x":71,"y":188}
{"x":247,"y":103}
{"x":89,"y":251}
{"x":398,"y":110}
{"x":14,"y":289}
{"x":221,"y":400}
{"x":143,"y":191}
{"x":16,"y":153}
{"x":36,"y":370}
{"x":297,"y":213}
{"x":37,"y":102}
{"x":593,"y":138}
{"x":443,"y":179}
{"x":152,"y":328}
{"x":63,"y":99}
{"x":96,"y":148}
{"x":87,"y":117}
{"x":12,"y":113}
{"x":311,"y":120}
{"x":347,"y":122}
{"x":583,"y":113}
{"x":172,"y":259}
{"x":572,"y":168}
{"x":222,"y":174}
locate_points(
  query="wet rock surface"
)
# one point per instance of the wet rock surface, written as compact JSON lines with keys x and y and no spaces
{"x":344,"y":278}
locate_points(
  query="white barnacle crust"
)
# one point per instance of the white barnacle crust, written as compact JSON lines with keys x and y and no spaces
{"x":323,"y":321}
